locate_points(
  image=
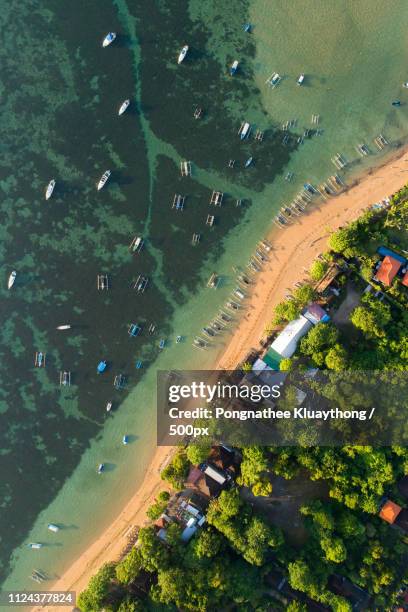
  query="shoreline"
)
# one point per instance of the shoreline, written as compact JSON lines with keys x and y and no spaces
{"x":293,"y":248}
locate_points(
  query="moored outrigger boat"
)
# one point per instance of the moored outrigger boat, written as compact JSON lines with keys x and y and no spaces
{"x":53,"y":527}
{"x":134,"y":330}
{"x":34,"y":545}
{"x":109,"y":38}
{"x":104,"y":178}
{"x":101,"y":468}
{"x":136,"y":245}
{"x":124,"y":106}
{"x":244,"y":130}
{"x":119,"y":381}
{"x":301,"y":79}
{"x":39,"y":360}
{"x":11,"y":279}
{"x":213,"y":281}
{"x":65,"y":379}
{"x":109,"y":406}
{"x":200,"y":343}
{"x":50,"y":189}
{"x":273,"y":80}
{"x":182,"y":54}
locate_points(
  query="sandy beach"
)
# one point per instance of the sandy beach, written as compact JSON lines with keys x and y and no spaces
{"x":294,"y":249}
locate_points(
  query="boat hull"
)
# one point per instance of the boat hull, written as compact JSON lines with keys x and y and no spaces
{"x":124,"y":107}
{"x":182,"y":54}
{"x":104,"y":179}
{"x":108,"y":40}
{"x":11,"y":280}
{"x":50,"y":189}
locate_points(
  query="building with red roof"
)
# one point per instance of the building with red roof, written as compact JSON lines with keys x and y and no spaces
{"x":390,"y":511}
{"x":405,"y":279}
{"x":388,"y":270}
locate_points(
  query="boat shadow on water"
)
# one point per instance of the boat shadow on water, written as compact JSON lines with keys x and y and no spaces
{"x":109,"y":467}
{"x":124,"y":41}
{"x":23,"y":280}
{"x":194,"y":54}
{"x":131,"y":438}
{"x":122,"y":180}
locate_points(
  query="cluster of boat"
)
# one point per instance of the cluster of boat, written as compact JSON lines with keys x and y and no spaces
{"x":235,"y":303}
{"x":108,"y":40}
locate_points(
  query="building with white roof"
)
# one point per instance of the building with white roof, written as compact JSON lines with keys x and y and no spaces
{"x":286,"y":343}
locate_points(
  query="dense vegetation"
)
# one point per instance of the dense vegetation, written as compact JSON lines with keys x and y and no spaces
{"x":227,"y":565}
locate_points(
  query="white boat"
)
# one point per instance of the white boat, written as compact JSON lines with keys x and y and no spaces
{"x":108,"y":406}
{"x":245,"y":130}
{"x":301,"y":79}
{"x":53,"y":527}
{"x":275,"y":79}
{"x":234,"y":68}
{"x":103,"y":179}
{"x":50,"y":189}
{"x":405,"y":84}
{"x":64,"y":327}
{"x":34,"y":545}
{"x":182,"y":54}
{"x":125,"y":440}
{"x":11,"y":279}
{"x":109,"y":38}
{"x":123,"y":107}
{"x":101,"y":468}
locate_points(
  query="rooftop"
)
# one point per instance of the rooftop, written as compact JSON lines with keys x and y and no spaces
{"x":390,"y":511}
{"x":388,"y":270}
{"x":286,"y":342}
{"x":315,"y":313}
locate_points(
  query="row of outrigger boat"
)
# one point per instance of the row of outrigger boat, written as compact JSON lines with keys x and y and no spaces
{"x":235,"y":303}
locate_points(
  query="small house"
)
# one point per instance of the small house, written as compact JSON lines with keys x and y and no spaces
{"x":390,"y":511}
{"x":388,"y":270}
{"x":315,"y":314}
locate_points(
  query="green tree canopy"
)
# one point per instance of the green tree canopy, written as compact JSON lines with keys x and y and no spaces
{"x":319,"y":340}
{"x":197,"y":453}
{"x":93,"y":598}
{"x":129,"y":568}
{"x":318,"y":269}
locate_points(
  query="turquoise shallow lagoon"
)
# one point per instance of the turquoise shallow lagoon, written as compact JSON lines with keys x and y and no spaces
{"x":60,"y":94}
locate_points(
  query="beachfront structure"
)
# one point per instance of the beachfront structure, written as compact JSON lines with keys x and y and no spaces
{"x":387,"y":271}
{"x":215,"y":474}
{"x":183,"y":512}
{"x":286,"y":342}
{"x":390,"y":266}
{"x":315,"y":314}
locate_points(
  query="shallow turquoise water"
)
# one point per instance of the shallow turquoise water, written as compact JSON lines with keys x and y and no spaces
{"x":61,"y":99}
